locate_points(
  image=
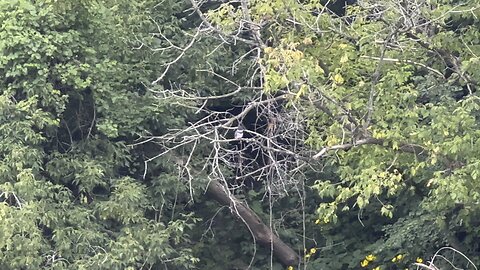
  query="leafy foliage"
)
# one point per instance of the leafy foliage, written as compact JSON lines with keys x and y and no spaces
{"x":71,"y":97}
{"x":393,"y":110}
{"x":387,"y":91}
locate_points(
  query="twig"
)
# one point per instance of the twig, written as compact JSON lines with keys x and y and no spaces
{"x":404,"y":147}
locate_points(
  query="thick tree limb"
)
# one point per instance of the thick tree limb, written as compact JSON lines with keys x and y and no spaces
{"x":261,"y":232}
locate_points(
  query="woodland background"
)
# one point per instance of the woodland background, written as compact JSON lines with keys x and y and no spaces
{"x":243,"y":134}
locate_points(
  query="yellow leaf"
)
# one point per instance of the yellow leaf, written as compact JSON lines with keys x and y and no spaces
{"x":307,"y":41}
{"x":338,"y":79}
{"x":303,"y":89}
{"x":429,"y":183}
{"x":370,"y":257}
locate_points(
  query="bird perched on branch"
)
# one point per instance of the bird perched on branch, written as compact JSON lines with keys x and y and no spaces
{"x":239,"y":132}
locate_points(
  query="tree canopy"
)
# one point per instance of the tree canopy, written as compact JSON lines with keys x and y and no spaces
{"x":242,"y":134}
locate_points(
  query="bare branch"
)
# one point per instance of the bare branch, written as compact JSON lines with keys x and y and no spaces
{"x":404,"y":147}
{"x":438,"y":73}
{"x":182,"y":53}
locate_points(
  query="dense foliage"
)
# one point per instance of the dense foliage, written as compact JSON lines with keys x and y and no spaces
{"x":71,"y":99}
{"x":116,"y":115}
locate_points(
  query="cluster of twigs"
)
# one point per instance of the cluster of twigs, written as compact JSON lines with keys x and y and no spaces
{"x":270,"y":151}
{"x":262,"y":142}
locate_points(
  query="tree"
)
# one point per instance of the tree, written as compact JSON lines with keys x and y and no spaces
{"x":385,"y":93}
{"x":71,"y":99}
{"x":359,"y":125}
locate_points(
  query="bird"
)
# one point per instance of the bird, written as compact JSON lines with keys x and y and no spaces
{"x":239,"y":132}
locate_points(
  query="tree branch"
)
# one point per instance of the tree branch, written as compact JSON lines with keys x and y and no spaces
{"x":261,"y":232}
{"x":404,"y":147}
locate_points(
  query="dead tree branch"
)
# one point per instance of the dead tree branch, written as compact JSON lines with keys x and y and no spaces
{"x":404,"y":147}
{"x":261,"y":232}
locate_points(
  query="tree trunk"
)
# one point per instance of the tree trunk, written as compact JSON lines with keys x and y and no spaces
{"x":261,"y":232}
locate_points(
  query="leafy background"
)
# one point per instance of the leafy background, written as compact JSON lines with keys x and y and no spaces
{"x":76,"y":94}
